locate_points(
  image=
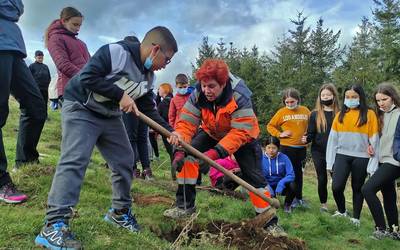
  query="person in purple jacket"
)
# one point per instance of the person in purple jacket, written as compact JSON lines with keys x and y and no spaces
{"x":68,"y":52}
{"x":278,"y":170}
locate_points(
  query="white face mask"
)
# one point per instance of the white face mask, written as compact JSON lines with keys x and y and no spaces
{"x":390,"y":109}
{"x":292,"y":106}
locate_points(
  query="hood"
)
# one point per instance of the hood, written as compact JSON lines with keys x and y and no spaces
{"x":57,"y":28}
{"x":11,"y":10}
{"x":270,"y":161}
{"x":132,"y":44}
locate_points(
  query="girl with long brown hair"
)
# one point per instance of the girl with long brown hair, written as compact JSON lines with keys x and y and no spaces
{"x":319,"y":126}
{"x":387,"y":103}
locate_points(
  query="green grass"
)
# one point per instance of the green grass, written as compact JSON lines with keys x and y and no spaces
{"x":19,"y":224}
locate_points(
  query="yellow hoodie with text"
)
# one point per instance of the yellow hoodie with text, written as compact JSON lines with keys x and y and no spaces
{"x":294,"y":120}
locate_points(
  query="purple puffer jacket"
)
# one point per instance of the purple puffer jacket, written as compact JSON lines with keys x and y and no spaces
{"x":68,"y":52}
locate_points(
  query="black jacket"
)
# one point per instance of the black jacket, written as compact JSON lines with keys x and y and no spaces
{"x":163,"y":107}
{"x":319,"y":140}
{"x":41,"y":74}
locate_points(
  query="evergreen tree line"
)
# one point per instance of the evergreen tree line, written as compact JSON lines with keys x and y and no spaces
{"x":306,"y":58}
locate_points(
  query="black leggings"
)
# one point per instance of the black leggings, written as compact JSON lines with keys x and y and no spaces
{"x":322,"y":176}
{"x":153,"y":142}
{"x":289,"y":192}
{"x":344,"y":165}
{"x":297,"y":156}
{"x":383,"y":180}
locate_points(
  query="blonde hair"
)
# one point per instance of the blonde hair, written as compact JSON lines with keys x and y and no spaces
{"x":321,"y":119}
{"x":66,"y":14}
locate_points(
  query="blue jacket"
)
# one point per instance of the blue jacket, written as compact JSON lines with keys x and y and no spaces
{"x":278,"y":171}
{"x":396,"y":142}
{"x":10,"y":34}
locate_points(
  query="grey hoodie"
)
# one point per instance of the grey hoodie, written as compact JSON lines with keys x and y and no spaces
{"x":386,"y":141}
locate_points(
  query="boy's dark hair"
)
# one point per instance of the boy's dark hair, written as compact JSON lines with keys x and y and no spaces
{"x":272,"y":140}
{"x":362,"y":119}
{"x":181,"y":78}
{"x":161,"y":36}
{"x":291,"y":92}
{"x":38,"y":53}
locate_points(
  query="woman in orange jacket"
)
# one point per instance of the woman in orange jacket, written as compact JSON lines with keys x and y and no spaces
{"x":289,"y":124}
{"x":218,"y":119}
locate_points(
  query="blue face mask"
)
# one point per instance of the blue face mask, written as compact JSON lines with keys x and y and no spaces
{"x":352,"y":103}
{"x":148,"y":63}
{"x":182,"y":91}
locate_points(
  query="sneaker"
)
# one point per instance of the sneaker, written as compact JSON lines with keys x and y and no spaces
{"x":10,"y":194}
{"x":178,"y":213}
{"x":355,"y":222}
{"x":287,"y":209}
{"x":136,"y":173}
{"x":126,"y":220}
{"x":274,"y":228}
{"x":395,"y":233}
{"x":339,"y":214}
{"x":303,"y":204}
{"x":323,"y":209}
{"x":380,"y":234}
{"x":147,"y":174}
{"x":295,"y":203}
{"x":57,"y":236}
{"x":299,"y":204}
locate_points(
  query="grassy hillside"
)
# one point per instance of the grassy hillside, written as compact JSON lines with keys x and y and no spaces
{"x":19,"y":224}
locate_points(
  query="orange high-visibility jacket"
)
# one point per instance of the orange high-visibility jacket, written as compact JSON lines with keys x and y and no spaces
{"x":230,"y":119}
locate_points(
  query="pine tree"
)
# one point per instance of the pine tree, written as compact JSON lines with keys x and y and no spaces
{"x":360,"y":65}
{"x":387,"y":33}
{"x":206,"y":50}
{"x":221,"y":49}
{"x":325,"y":52}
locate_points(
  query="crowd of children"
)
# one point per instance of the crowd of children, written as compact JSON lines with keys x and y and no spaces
{"x":216,"y":117}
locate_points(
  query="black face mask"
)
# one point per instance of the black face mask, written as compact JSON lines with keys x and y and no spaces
{"x":327,"y":102}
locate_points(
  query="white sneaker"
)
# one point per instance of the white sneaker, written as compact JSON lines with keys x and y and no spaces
{"x":356,"y":222}
{"x":339,"y":214}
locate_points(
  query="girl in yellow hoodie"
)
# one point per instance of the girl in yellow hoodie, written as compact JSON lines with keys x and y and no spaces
{"x":354,"y":129}
{"x":289,"y":124}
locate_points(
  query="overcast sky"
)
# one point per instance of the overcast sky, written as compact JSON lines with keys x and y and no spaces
{"x":243,"y":22}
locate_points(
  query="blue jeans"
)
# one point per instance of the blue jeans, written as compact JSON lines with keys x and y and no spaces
{"x":81,"y":131}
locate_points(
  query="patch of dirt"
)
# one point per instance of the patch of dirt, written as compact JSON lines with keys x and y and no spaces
{"x":248,"y":234}
{"x":354,"y":241}
{"x":146,"y":200}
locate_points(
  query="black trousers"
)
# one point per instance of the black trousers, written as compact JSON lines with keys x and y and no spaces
{"x":384,"y":180}
{"x":45,"y":96}
{"x":297,"y":156}
{"x":137,"y":132}
{"x":16,"y":79}
{"x":319,"y":160}
{"x":248,"y":157}
{"x":289,"y":192}
{"x":154,"y":143}
{"x":343,"y":167}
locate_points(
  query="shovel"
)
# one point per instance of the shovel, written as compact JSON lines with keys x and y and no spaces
{"x":191,"y":150}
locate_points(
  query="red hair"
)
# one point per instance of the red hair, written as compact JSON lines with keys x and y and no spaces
{"x":213,"y":69}
{"x":166,"y":87}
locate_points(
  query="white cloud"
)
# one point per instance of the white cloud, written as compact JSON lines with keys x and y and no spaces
{"x":245,"y":23}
